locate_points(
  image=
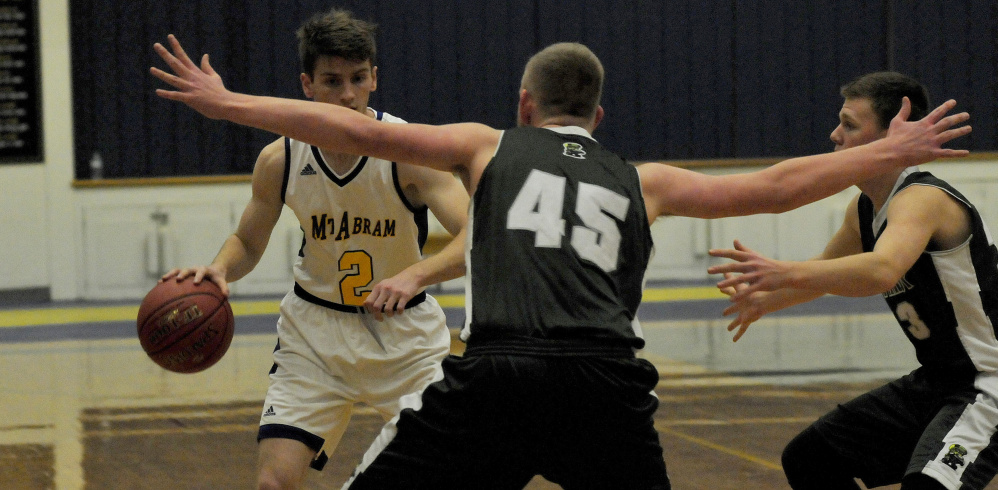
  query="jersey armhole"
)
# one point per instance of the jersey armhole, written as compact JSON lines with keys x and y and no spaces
{"x":398,"y":190}
{"x":287,"y":169}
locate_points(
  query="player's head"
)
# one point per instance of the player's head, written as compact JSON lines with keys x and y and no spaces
{"x":337,"y":58}
{"x":871,"y":101}
{"x":564,"y":81}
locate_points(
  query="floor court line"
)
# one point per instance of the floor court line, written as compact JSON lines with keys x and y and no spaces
{"x":744,"y":421}
{"x":212,"y":429}
{"x":666,"y":430}
{"x":211,"y":413}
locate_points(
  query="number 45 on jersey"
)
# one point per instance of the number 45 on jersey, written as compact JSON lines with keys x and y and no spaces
{"x":539,"y":205}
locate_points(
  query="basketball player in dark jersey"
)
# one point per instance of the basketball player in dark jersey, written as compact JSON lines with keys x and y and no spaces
{"x":557,"y":245}
{"x":917,"y":241}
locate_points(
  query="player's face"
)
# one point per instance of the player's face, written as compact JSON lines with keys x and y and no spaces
{"x":857,"y":125}
{"x":341,"y":82}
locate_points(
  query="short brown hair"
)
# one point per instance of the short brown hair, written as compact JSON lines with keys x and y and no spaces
{"x":335,"y":33}
{"x":885,"y":89}
{"x":565,"y":79}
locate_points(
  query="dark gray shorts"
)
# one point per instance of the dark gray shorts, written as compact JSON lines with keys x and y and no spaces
{"x":915,"y":424}
{"x":495,"y":421}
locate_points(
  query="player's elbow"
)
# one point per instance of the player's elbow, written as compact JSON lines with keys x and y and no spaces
{"x":884,"y":276}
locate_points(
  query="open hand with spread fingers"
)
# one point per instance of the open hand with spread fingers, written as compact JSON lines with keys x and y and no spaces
{"x":756,"y":272}
{"x":198,"y":87}
{"x":921,"y":141}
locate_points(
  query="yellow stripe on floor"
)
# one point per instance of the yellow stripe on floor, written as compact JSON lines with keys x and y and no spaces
{"x":88,"y":314}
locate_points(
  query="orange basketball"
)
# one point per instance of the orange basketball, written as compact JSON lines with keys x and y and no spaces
{"x":183,"y":327}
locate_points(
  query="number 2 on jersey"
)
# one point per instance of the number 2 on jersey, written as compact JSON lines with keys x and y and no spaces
{"x":539,"y":205}
{"x":361,"y":268}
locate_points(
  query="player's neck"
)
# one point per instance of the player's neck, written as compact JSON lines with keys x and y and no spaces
{"x":343,"y":163}
{"x":879,"y":188}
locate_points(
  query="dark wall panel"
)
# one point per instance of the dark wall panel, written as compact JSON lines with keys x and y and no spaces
{"x":952,"y":48}
{"x":686,"y":79}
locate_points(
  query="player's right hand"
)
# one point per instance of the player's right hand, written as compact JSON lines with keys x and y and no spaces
{"x":199,"y":273}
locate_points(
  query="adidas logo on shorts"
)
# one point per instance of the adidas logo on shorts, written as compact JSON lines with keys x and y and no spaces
{"x":270,"y":411}
{"x":308,"y":170}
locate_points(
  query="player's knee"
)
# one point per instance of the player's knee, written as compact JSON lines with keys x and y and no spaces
{"x":918,"y":481}
{"x":809,"y":462}
{"x":282,"y":463}
{"x":271,"y":478}
{"x":797,"y":455}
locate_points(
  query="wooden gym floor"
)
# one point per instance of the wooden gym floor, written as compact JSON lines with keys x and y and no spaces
{"x":84,"y":408}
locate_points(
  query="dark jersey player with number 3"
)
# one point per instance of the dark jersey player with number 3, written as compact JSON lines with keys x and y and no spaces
{"x":557,"y":244}
{"x":924,"y":247}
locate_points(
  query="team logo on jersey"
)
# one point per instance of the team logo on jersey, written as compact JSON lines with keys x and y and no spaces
{"x":574,"y":150}
{"x":903,"y":286}
{"x":955,"y":456}
{"x":308,"y":170}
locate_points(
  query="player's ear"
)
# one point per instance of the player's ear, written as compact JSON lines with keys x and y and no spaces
{"x":525,"y":108}
{"x":598,"y":116}
{"x":306,"y":85}
{"x":374,"y":78}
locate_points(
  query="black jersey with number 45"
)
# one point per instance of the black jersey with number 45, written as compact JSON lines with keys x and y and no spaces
{"x":559,"y":244}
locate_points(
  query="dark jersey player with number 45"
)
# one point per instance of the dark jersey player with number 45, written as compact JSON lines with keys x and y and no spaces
{"x":564,"y":217}
{"x":558,"y":242}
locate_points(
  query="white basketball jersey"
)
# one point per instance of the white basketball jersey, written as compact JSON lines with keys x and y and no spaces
{"x":359,"y":228}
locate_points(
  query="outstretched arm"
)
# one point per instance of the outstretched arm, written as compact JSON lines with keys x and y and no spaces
{"x":454,"y":148}
{"x":799,"y":181}
{"x":914,"y":216}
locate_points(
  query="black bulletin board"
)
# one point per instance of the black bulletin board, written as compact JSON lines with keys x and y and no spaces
{"x":20,"y":90}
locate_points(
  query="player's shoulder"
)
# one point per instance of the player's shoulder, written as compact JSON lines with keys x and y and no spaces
{"x":273,"y":152}
{"x":272,"y":158}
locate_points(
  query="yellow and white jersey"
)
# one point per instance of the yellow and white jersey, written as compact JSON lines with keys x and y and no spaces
{"x":359,"y":228}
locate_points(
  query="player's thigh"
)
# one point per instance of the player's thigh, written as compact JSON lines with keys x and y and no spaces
{"x":305,"y":404}
{"x":433,"y":437}
{"x":606,"y":436}
{"x":416,"y":345}
{"x":876,"y":433}
{"x":622,"y":463}
{"x":958,"y":446}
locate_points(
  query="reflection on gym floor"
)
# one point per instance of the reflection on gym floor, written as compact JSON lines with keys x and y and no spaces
{"x":85,"y":408}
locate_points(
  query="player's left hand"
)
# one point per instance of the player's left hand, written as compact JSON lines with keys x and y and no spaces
{"x":922,"y":141}
{"x":747,"y":309}
{"x":390,"y":296}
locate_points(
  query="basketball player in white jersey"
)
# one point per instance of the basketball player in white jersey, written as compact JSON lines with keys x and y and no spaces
{"x":923,"y":246}
{"x":557,"y":244}
{"x":364,"y":220}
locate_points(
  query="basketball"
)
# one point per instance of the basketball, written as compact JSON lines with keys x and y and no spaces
{"x":183,"y":327}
